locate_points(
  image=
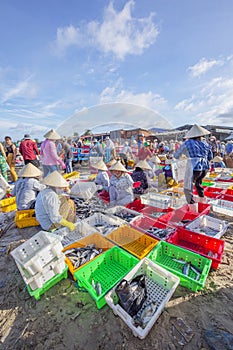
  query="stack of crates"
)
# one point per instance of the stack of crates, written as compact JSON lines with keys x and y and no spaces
{"x":41,"y":262}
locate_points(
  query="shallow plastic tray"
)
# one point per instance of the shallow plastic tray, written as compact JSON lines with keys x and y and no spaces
{"x":223,"y":207}
{"x":107,"y":269}
{"x":49,"y":284}
{"x":211,"y":248}
{"x":68,"y":237}
{"x":209,"y":226}
{"x":38,"y":251}
{"x":160,"y":284}
{"x":165,"y":254}
{"x":132,"y":240}
{"x":156,"y":200}
{"x":95,"y":238}
{"x":104,"y":224}
{"x":119,"y":211}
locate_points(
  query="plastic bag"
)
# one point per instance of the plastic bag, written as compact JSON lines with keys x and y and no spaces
{"x":132,"y":294}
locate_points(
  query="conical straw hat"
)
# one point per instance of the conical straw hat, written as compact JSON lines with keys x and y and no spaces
{"x":155,"y":159}
{"x":196,"y":131}
{"x":100,"y":165}
{"x":112,"y":162}
{"x":52,"y":135}
{"x":118,"y":166}
{"x":55,"y":180}
{"x":143,"y":165}
{"x":30,"y":170}
{"x":217,"y":159}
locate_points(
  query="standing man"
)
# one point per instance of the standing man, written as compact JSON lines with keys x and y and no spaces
{"x":28,"y":149}
{"x":199,"y":155}
{"x":11,"y":152}
{"x":67,"y":152}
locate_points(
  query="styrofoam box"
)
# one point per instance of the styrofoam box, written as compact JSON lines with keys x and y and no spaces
{"x":119,"y":209}
{"x":223,"y":207}
{"x":156,"y":200}
{"x":68,"y":237}
{"x":105,"y":220}
{"x":217,"y":227}
{"x":56,"y":266}
{"x":38,"y":251}
{"x":160,"y":284}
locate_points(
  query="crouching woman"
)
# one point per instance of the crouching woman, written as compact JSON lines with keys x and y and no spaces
{"x":54,"y":209}
{"x":121,"y":185}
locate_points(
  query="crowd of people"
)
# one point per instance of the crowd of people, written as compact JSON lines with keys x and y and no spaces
{"x":125,"y":172}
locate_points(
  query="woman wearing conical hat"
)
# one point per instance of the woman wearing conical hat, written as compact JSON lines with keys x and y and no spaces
{"x":198,"y":155}
{"x":48,"y":153}
{"x":53,"y":208}
{"x":27,"y":187}
{"x":139,"y":174}
{"x":121,"y":185}
{"x":102,"y":178}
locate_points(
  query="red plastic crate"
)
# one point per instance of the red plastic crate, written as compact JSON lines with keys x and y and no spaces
{"x":213,"y":192}
{"x":154,"y":212}
{"x":210,"y":247}
{"x":228,"y":192}
{"x":136,"y":205}
{"x":183,"y":215}
{"x":144,"y":223}
{"x":226,"y":197}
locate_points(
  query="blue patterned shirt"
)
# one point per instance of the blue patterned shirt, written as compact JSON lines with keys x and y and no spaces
{"x":198,"y":151}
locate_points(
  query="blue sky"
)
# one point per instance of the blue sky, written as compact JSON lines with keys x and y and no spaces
{"x":60,"y":57}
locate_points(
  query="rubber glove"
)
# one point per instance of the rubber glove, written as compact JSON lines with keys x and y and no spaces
{"x":63,"y":166}
{"x":68,"y":224}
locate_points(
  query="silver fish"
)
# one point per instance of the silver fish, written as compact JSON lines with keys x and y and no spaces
{"x":186,"y":268}
{"x":179,"y":261}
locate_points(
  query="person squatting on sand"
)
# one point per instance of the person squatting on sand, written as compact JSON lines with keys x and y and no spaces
{"x":121,"y":185}
{"x":198,"y":155}
{"x":53,"y":207}
{"x":27,"y":187}
{"x":102,"y":178}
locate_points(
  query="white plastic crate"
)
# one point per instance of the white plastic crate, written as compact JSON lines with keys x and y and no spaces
{"x":156,"y":200}
{"x":222,"y":184}
{"x":84,"y":190}
{"x":223,"y":207}
{"x":160,"y":284}
{"x":68,"y":237}
{"x":104,"y":224}
{"x":208,"y":225}
{"x":121,"y":211}
{"x":38,"y":251}
{"x":56,"y":266}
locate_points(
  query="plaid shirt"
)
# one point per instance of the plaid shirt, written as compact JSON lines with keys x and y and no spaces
{"x":199,"y":152}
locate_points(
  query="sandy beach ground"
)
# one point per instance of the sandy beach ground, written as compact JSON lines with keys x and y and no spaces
{"x":67,"y":318}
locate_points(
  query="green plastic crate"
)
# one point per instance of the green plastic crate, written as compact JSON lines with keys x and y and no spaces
{"x":107,"y":269}
{"x":163,"y":255}
{"x":54,"y":280}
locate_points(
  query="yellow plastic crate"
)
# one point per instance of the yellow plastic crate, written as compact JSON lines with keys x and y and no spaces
{"x":8,"y":204}
{"x":73,"y":175}
{"x":95,"y":238}
{"x":7,"y":201}
{"x":133,"y":241}
{"x":26,"y":218}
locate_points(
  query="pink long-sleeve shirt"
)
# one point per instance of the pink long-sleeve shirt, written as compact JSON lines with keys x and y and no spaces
{"x":48,"y":153}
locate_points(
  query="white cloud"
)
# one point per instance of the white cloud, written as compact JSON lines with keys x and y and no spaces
{"x":116,"y":94}
{"x":119,"y":33}
{"x":23,"y":88}
{"x":203,"y":66}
